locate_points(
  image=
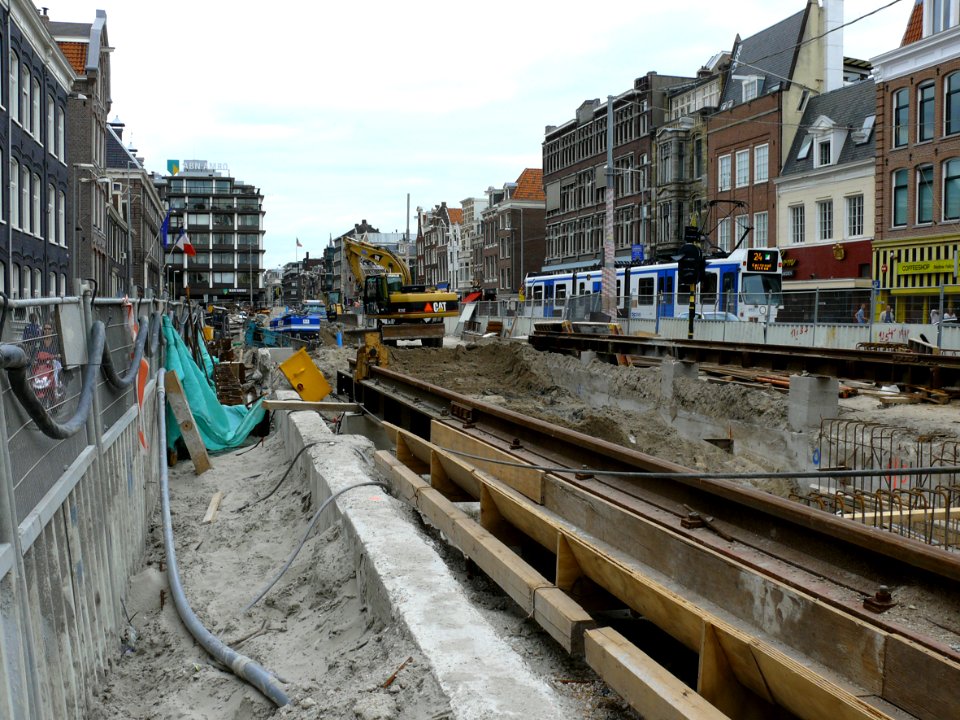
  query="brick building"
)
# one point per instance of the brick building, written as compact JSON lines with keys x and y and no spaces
{"x":916,"y":240}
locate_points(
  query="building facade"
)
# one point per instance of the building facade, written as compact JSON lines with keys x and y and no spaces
{"x":87,"y":47}
{"x":514,"y":234}
{"x":35,"y":248}
{"x":574,"y":175}
{"x":224,"y":219}
{"x":472,"y":237}
{"x":917,"y":241}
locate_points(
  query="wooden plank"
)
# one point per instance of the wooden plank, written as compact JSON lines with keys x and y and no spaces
{"x":515,"y":509}
{"x":403,"y":480}
{"x":526,"y":481}
{"x":649,"y":688}
{"x":188,"y":427}
{"x":452,"y":477}
{"x":212,"y":508}
{"x":718,"y":684}
{"x":562,"y":618}
{"x":926,"y":695}
{"x":899,"y":516}
{"x":311,"y":405}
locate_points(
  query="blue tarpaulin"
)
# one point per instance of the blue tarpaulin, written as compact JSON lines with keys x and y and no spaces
{"x":220,"y":426}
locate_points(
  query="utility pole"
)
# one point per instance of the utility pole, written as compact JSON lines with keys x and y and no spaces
{"x":608,"y":277}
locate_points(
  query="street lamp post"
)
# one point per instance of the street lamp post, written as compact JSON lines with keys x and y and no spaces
{"x":608,"y":277}
{"x":75,"y":248}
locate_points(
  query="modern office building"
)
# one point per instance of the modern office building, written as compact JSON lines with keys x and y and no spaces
{"x":223,"y":219}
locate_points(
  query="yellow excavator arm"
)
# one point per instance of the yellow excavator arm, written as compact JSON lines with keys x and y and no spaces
{"x":366,"y":259}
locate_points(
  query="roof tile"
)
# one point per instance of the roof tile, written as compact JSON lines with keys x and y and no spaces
{"x":530,"y":185}
{"x":76,"y":54}
{"x":914,"y":29}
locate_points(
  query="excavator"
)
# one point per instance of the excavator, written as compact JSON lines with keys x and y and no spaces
{"x":402,"y":310}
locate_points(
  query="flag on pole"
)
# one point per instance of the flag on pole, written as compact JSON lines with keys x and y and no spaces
{"x":298,"y":243}
{"x":183,"y":242}
{"x":165,"y":230}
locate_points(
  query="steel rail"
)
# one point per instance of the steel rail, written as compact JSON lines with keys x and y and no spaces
{"x":419,"y":401}
{"x":879,"y":366}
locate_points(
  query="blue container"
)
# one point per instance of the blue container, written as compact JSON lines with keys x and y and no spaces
{"x":339,"y":339}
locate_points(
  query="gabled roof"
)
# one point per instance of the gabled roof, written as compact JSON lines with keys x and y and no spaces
{"x":769,"y":54}
{"x":455,"y":215}
{"x":914,"y":29}
{"x":530,"y":185}
{"x":847,"y":107}
{"x":119,"y":157}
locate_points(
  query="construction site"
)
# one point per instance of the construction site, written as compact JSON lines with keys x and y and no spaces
{"x":566,"y":524}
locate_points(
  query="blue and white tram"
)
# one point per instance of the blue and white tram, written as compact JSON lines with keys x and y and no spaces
{"x":747,"y":284}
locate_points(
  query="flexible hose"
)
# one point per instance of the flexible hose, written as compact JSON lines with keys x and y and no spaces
{"x":241,"y":665}
{"x":14,"y":359}
{"x":303,"y":541}
{"x":118,"y":381}
{"x":154,"y":342}
{"x":280,"y":482}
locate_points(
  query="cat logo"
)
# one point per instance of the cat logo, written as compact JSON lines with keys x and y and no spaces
{"x":437,"y":307}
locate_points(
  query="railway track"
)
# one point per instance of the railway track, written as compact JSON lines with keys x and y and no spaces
{"x":780,"y":608}
{"x":893,"y":366}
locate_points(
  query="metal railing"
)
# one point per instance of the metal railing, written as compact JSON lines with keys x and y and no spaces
{"x":74,"y":512}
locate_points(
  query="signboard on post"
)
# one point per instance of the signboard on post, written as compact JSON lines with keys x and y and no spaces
{"x":636,"y":253}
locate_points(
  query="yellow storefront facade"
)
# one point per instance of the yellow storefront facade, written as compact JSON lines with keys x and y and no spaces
{"x":912,"y":274}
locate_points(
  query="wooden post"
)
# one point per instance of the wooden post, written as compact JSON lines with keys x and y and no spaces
{"x":181,"y":410}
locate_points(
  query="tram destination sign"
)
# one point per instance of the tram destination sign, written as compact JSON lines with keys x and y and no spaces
{"x":762,"y":261}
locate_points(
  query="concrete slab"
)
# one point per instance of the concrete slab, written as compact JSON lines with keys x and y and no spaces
{"x":405,"y":581}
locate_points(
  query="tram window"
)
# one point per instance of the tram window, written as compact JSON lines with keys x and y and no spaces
{"x":708,"y":290}
{"x":538,"y":292}
{"x":582,"y":288}
{"x":561,"y":292}
{"x":619,"y":288}
{"x":645,"y":291}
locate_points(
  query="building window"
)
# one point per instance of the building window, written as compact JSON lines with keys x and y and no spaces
{"x":940,"y":15}
{"x":35,"y":118}
{"x":743,"y":168}
{"x":796,"y":224}
{"x":854,"y":216}
{"x":51,"y":126}
{"x":14,"y":193}
{"x":899,"y":198}
{"x":901,"y":117}
{"x":14,"y":86}
{"x":62,"y":219}
{"x":60,"y":143}
{"x":698,"y":158}
{"x":741,"y":226}
{"x":951,"y":189}
{"x":35,"y":215}
{"x":25,"y":96}
{"x":761,"y":233}
{"x":925,"y":115}
{"x":666,"y":165}
{"x":824,"y":153}
{"x":724,"y":172}
{"x":825,"y":220}
{"x":723,"y":235}
{"x":761,"y":161}
{"x":925,"y":194}
{"x":25,"y":198}
{"x":51,"y":214}
{"x":951,"y":104}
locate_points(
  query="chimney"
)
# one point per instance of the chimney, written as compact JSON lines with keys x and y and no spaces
{"x":117,"y":126}
{"x":833,"y":45}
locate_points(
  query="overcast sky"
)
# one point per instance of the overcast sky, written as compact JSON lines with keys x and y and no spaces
{"x":337,"y":111}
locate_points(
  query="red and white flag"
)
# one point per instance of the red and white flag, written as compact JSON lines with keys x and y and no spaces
{"x":183,"y":242}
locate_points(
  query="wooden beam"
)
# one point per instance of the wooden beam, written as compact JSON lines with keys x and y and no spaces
{"x":527,"y":481}
{"x":188,"y":427}
{"x":718,"y":684}
{"x":643,"y":682}
{"x":212,"y":508}
{"x":312,"y":405}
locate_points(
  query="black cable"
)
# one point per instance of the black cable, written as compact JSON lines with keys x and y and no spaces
{"x":277,"y":486}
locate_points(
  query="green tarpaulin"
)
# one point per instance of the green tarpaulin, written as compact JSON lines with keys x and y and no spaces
{"x":220,"y":426}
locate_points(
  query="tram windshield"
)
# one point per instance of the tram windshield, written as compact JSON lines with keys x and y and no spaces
{"x":762,"y":289}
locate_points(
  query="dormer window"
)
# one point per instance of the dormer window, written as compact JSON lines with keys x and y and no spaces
{"x":750,"y":86}
{"x":824,"y":154}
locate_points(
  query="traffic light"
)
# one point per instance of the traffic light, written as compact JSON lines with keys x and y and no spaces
{"x":690,"y":265}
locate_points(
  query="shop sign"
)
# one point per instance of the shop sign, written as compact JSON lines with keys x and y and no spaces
{"x":923,"y":267}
